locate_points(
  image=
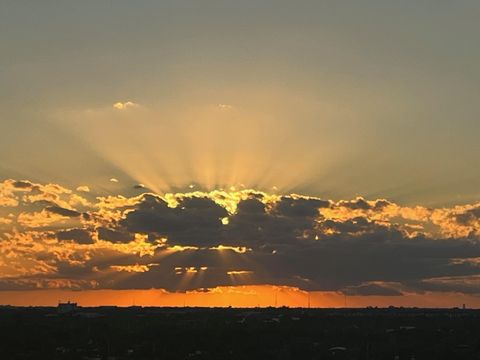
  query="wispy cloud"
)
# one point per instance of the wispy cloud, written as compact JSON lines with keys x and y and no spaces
{"x":225,"y":106}
{"x":125,"y":105}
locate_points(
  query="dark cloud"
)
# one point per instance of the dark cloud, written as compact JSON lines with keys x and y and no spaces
{"x":251,"y":207}
{"x":458,"y":284}
{"x":78,"y":235}
{"x":62,"y":211}
{"x":195,"y":221}
{"x":351,"y":226}
{"x":468,"y":217}
{"x":22,"y":184}
{"x":300,"y":207}
{"x":362,"y":204}
{"x":116,"y":236}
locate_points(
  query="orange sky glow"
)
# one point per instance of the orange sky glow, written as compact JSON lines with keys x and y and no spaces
{"x":235,"y":296}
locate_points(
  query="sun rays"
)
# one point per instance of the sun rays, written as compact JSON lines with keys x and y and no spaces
{"x":203,"y":148}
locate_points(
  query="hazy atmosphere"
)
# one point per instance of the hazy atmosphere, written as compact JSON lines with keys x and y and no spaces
{"x":245,"y":153}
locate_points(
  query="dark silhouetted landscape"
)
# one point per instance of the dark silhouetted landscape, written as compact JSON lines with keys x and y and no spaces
{"x":108,"y":333}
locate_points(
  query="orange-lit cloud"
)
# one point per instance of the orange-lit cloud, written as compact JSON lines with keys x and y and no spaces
{"x":55,"y":238}
{"x":83,"y":188}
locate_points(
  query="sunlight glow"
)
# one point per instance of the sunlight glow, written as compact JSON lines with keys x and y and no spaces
{"x":203,"y":147}
{"x":237,"y":249}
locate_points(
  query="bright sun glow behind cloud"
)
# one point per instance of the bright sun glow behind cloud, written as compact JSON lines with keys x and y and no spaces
{"x":207,"y":147}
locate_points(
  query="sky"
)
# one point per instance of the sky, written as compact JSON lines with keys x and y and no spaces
{"x":235,"y":152}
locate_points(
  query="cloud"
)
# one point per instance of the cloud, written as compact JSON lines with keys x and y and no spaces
{"x":83,"y":188}
{"x":22,"y":184}
{"x":62,"y":211}
{"x":116,"y":236}
{"x":225,"y":106}
{"x":39,"y":219}
{"x":8,"y":195}
{"x":131,"y":268}
{"x":193,"y":221}
{"x":125,"y":105}
{"x":188,"y":241}
{"x":372,"y":290}
{"x":5,"y":221}
{"x":78,"y":235}
{"x":459,"y":284}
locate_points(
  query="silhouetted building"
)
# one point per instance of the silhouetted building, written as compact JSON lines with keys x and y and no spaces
{"x":66,"y":308}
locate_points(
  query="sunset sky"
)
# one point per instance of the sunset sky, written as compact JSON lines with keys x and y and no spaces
{"x":244,"y":153}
